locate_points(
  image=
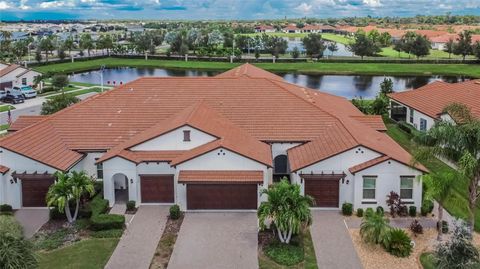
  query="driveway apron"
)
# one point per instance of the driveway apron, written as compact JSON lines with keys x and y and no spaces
{"x":333,"y":245}
{"x":140,"y":239}
{"x":32,"y":219}
{"x":216,"y":240}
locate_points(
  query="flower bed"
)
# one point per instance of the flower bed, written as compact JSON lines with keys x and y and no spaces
{"x":167,"y":242}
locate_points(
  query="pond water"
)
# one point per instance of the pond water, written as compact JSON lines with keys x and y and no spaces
{"x":348,"y":86}
{"x":297,"y":42}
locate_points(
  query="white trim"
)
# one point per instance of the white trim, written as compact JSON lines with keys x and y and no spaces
{"x":166,"y":204}
{"x":221,"y":211}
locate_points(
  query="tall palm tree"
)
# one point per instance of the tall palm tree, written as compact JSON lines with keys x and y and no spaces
{"x":67,"y":188}
{"x":459,"y":142}
{"x":286,"y":208}
{"x":440,"y":186}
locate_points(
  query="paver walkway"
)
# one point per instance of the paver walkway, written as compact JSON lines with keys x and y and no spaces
{"x":32,"y":219}
{"x":216,"y":240}
{"x":333,"y":245}
{"x":139,"y":241}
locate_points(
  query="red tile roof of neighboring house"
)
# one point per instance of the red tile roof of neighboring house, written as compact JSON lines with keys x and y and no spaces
{"x":374,"y":121}
{"x":24,"y":121}
{"x":447,"y":37}
{"x":225,"y":176}
{"x":150,"y":156}
{"x":431,"y":99}
{"x":8,"y":69}
{"x":3,"y":169}
{"x":264,"y":27}
{"x":367,"y":164}
{"x":430,"y":33}
{"x":243,"y":108}
{"x":291,"y":27}
{"x":317,"y":27}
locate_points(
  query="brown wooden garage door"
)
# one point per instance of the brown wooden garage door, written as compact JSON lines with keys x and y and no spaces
{"x":34,"y":190}
{"x":324,"y":191}
{"x":222,"y":196}
{"x":157,"y":188}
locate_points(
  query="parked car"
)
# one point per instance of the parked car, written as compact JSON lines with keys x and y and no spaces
{"x":26,"y":91}
{"x":14,"y":98}
{"x":3,"y":94}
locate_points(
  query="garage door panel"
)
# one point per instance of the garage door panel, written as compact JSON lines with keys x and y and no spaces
{"x":222,"y":196}
{"x":325,"y":192}
{"x":157,"y":188}
{"x":34,"y":191}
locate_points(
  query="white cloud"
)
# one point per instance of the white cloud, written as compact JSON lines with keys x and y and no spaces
{"x":324,"y":2}
{"x":57,"y":4}
{"x":372,"y":3}
{"x":23,"y":5}
{"x":304,"y":8}
{"x":4,"y":5}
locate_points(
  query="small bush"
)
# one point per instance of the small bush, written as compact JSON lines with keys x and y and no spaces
{"x":380,"y":210}
{"x":113,"y":233}
{"x":98,"y":186}
{"x":16,"y":253}
{"x":404,"y":127}
{"x":98,"y":205}
{"x":427,"y":207}
{"x":360,"y":212}
{"x":85,"y":211}
{"x":398,"y":243}
{"x":285,"y":254}
{"x":6,"y":208}
{"x":374,"y":228}
{"x":416,"y":227}
{"x":444,"y":226}
{"x":57,"y":215}
{"x":174,"y":212}
{"x":131,"y":205}
{"x":369,"y":212}
{"x":412,"y":211}
{"x":106,"y":222}
{"x":10,"y":226}
{"x":347,"y":209}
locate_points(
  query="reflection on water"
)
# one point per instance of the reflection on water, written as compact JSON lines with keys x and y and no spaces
{"x":297,"y":42}
{"x":343,"y":85}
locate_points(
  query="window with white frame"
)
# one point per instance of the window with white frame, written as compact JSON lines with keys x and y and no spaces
{"x":406,"y":187}
{"x":99,"y":170}
{"x":411,"y":115}
{"x":369,"y":186}
{"x":423,"y":124}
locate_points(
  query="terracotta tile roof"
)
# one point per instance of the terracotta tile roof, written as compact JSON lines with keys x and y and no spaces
{"x":248,"y":105}
{"x":430,"y":33}
{"x":24,"y":121}
{"x":8,"y":69}
{"x":367,"y":164}
{"x":225,"y":176}
{"x":250,"y":71}
{"x":431,"y":99}
{"x":3,"y":169}
{"x":447,"y":37}
{"x":150,"y":156}
{"x":374,"y":121}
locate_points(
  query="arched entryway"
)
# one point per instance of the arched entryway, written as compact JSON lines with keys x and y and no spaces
{"x":120,"y":183}
{"x":280,"y":168}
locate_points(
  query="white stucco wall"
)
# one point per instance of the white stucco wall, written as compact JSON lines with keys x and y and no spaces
{"x":417,"y":115}
{"x":12,"y":76}
{"x":88,"y":165}
{"x":174,"y":140}
{"x":338,"y":164}
{"x":115,"y":166}
{"x":220,"y":159}
{"x":281,"y":148}
{"x":12,"y":193}
{"x":388,"y":179}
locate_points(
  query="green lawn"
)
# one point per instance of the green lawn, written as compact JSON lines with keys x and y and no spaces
{"x":457,"y":203}
{"x":4,"y":127}
{"x":6,"y":108}
{"x":304,"y":67}
{"x":80,"y":92}
{"x":426,"y":260}
{"x":86,"y":254}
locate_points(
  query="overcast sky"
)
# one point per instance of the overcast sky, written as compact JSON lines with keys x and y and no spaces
{"x":227,"y":9}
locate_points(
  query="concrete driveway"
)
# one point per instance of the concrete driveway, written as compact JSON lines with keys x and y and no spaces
{"x":216,"y":240}
{"x":140,"y":239}
{"x":333,"y":245}
{"x":32,"y":219}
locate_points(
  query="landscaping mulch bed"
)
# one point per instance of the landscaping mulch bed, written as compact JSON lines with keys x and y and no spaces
{"x":167,"y":242}
{"x":375,"y":257}
{"x":59,"y":233}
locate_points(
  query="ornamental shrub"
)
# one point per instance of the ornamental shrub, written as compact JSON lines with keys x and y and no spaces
{"x":347,"y":209}
{"x":374,"y":228}
{"x":398,"y":243}
{"x":6,"y":208}
{"x":106,"y":222}
{"x":369,"y":212}
{"x":16,"y":253}
{"x":174,"y":212}
{"x":427,"y":207}
{"x":416,"y":227}
{"x":380,"y":210}
{"x":10,"y":226}
{"x":360,"y":212}
{"x":412,"y":211}
{"x":131,"y":205}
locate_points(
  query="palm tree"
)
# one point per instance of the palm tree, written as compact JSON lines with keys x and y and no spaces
{"x":460,"y":142}
{"x":286,"y":208}
{"x":67,"y":188}
{"x":440,"y":186}
{"x":374,"y":228}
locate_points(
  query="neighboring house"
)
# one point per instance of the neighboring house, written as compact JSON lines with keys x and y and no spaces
{"x":292,"y":29}
{"x":424,"y":106}
{"x":16,"y":75}
{"x":440,"y":42}
{"x":264,"y":29}
{"x":210,"y":143}
{"x":316,"y":28}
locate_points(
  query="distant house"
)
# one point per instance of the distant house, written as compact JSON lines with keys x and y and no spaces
{"x":440,"y":42}
{"x":424,"y":106}
{"x":316,"y":28}
{"x":264,"y":29}
{"x":15,"y":74}
{"x":292,"y":29}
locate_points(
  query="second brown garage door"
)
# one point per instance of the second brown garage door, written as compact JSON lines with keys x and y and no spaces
{"x":324,"y":191}
{"x":34,"y":190}
{"x":222,"y":196}
{"x":157,"y":188}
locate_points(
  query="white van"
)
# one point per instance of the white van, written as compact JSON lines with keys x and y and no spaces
{"x":26,"y":91}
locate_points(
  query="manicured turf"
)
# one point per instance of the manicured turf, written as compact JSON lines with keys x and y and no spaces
{"x":4,"y":108}
{"x":4,"y":127}
{"x":80,"y":92}
{"x":457,"y":203}
{"x":315,"y":68}
{"x":86,"y":254}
